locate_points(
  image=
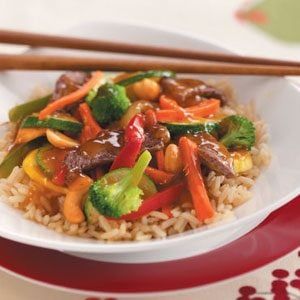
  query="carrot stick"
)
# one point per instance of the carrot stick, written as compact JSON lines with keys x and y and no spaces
{"x":160,"y":158}
{"x":158,"y":176}
{"x":169,"y":115}
{"x":72,"y":97}
{"x":203,"y":207}
{"x":204,"y":108}
{"x":91,"y":128}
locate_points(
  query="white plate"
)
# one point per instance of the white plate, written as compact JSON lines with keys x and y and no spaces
{"x":278,"y":103}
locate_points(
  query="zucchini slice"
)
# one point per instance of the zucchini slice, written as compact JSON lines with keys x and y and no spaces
{"x":177,"y":129}
{"x":142,"y":75}
{"x":61,"y":122}
{"x":43,"y":162}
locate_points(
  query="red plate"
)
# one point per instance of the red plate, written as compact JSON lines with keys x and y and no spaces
{"x":276,"y":236}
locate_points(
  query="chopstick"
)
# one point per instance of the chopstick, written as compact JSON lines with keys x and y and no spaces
{"x":44,"y":40}
{"x":52,"y":62}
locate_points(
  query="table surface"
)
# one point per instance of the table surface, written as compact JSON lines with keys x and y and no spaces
{"x":214,"y":20}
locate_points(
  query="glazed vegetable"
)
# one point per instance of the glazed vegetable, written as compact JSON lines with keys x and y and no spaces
{"x":72,"y":205}
{"x":202,"y":205}
{"x":16,"y":155}
{"x":158,"y":176}
{"x":134,"y":138}
{"x":21,"y":111}
{"x":146,"y":185}
{"x":61,"y":122}
{"x":41,"y":159}
{"x":31,"y":168}
{"x":242,"y":161}
{"x":237,"y":132}
{"x":177,"y":129}
{"x":71,"y":98}
{"x":110,"y":103}
{"x":142,"y":75}
{"x":155,"y":202}
{"x":26,"y":135}
{"x":91,"y":128}
{"x":50,"y":161}
{"x":122,"y":197}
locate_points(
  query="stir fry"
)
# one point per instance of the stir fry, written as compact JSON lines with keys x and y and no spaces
{"x":125,"y":146}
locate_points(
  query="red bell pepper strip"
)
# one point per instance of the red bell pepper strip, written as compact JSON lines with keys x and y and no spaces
{"x":202,"y":204}
{"x":158,"y":176}
{"x":91,"y":128}
{"x":156,"y":202}
{"x":134,"y":138}
{"x":59,"y":177}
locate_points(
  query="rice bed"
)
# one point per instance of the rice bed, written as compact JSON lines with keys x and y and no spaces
{"x":225,"y":195}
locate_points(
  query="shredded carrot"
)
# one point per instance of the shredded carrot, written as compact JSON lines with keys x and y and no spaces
{"x":158,"y":176}
{"x":160,"y":159}
{"x":72,"y":97}
{"x":202,"y":205}
{"x":91,"y":128}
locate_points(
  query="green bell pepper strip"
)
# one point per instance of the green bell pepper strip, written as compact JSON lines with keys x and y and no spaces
{"x":16,"y":155}
{"x":23,"y":110}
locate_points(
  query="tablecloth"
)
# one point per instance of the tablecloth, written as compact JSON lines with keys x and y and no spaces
{"x":248,"y":27}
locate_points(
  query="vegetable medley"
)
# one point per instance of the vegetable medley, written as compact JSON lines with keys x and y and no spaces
{"x":129,"y":145}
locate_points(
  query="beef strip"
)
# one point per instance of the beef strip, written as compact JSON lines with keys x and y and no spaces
{"x":188,"y":92}
{"x":105,"y":148}
{"x":214,"y":154}
{"x":68,"y":83}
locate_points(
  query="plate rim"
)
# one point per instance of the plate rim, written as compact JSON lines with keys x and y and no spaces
{"x":147,"y":294}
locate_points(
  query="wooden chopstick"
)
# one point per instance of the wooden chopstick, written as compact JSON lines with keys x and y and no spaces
{"x":51,"y":62}
{"x":44,"y":40}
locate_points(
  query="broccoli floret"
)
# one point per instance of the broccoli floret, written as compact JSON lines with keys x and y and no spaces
{"x":122,"y":197}
{"x":110,"y":103}
{"x":237,"y":132}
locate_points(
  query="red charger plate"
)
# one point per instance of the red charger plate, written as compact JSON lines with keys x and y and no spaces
{"x":275,"y":237}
